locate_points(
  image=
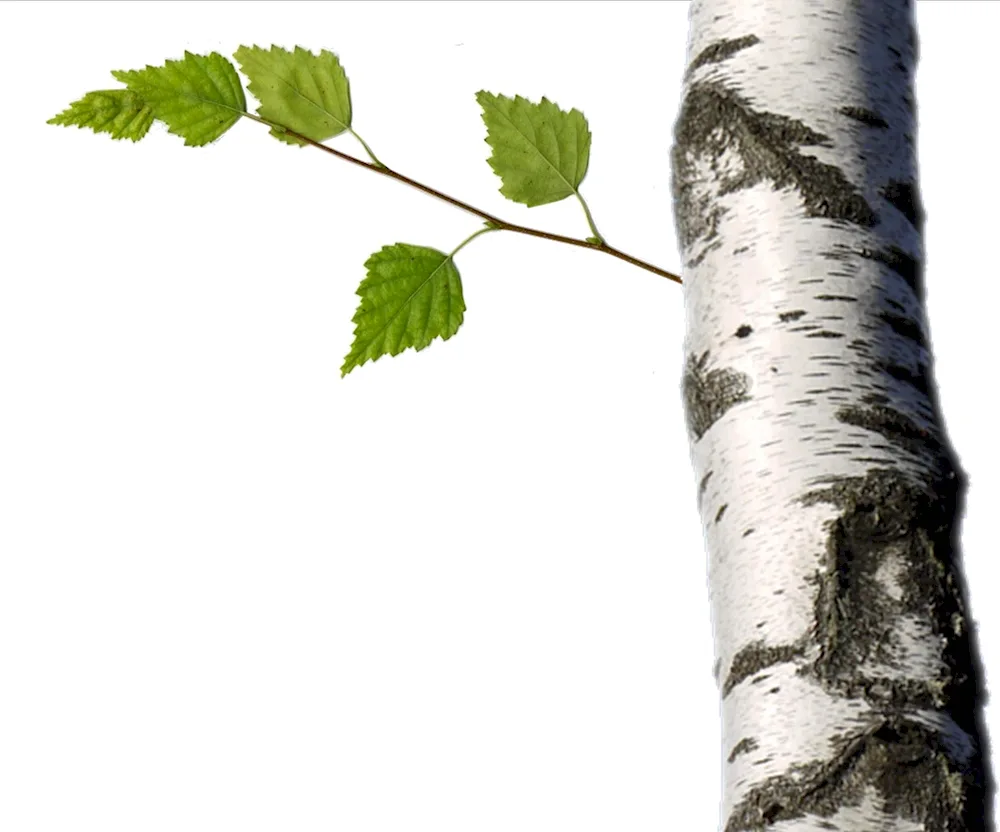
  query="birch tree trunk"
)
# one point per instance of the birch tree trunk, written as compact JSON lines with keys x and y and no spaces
{"x":829,"y":494}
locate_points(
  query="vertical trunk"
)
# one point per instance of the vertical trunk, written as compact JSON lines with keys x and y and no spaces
{"x":829,"y":494}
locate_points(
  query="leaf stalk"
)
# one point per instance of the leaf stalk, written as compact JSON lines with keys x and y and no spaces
{"x":590,"y":221}
{"x":471,"y":237}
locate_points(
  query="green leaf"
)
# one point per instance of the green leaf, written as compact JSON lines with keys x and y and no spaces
{"x":303,"y":92}
{"x":122,"y":113}
{"x":539,"y":151}
{"x":411,"y":295}
{"x":199,"y":98}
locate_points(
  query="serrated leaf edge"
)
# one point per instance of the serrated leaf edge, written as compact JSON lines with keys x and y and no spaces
{"x":359,"y":313}
{"x":574,"y":189}
{"x":69,"y":118}
{"x":311,"y":54}
{"x":141,"y":86}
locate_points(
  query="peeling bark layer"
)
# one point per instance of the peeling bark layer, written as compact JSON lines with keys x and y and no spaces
{"x":830,"y":497}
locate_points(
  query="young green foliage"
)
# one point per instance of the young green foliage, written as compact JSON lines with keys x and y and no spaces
{"x":411,"y":295}
{"x":198,"y":98}
{"x":298,"y":90}
{"x":539,"y":151}
{"x":122,"y":113}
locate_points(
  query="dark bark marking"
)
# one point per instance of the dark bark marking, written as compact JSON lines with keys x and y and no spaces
{"x":875,"y":398}
{"x":755,"y":657}
{"x":719,"y":51}
{"x":917,"y":380}
{"x":905,"y":198}
{"x":908,"y":267}
{"x":785,"y":317}
{"x":744,"y":746}
{"x":715,"y":121}
{"x":865,"y":116}
{"x":721,"y":511}
{"x":702,"y":486}
{"x":905,"y":328}
{"x":744,"y":331}
{"x":893,"y":425}
{"x":708,"y":395}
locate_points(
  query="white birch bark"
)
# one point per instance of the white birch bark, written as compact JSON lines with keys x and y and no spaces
{"x":829,"y":494}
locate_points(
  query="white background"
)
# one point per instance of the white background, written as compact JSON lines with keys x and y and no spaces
{"x":460,"y":589}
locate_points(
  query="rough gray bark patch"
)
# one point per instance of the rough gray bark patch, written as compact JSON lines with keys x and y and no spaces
{"x":903,"y":761}
{"x":708,"y":395}
{"x":714,"y":119}
{"x":755,"y":657}
{"x":883,"y":515}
